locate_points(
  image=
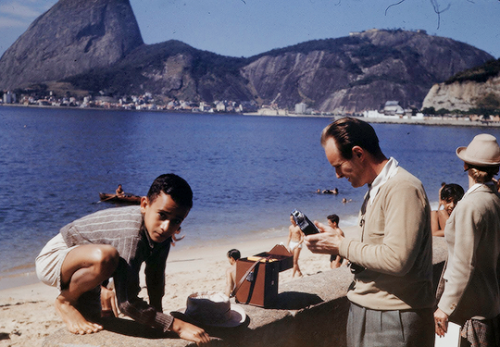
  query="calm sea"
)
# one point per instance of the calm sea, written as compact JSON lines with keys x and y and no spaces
{"x":247,"y":173}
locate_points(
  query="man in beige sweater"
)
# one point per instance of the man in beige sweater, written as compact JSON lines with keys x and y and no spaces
{"x":391,"y":296}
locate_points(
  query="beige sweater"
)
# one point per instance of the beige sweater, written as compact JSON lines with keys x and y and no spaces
{"x":395,"y":248}
{"x":473,"y":236}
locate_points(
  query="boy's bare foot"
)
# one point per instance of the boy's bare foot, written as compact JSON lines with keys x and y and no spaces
{"x":74,"y":320}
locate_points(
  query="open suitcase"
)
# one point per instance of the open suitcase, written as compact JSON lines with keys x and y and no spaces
{"x":261,"y":276}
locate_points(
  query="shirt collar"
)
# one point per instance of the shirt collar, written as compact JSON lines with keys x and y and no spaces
{"x":389,"y":170}
{"x":476,"y":186}
{"x":151,"y":243}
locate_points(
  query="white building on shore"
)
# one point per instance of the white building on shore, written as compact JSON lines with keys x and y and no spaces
{"x":392,"y":110}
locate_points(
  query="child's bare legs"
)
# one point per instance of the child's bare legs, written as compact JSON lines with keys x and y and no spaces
{"x":296,"y":269}
{"x":84,"y":268}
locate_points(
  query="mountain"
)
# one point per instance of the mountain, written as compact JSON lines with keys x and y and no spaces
{"x":96,"y":46}
{"x":361,"y":71}
{"x":478,"y":88}
{"x":70,"y":38}
{"x":348,"y":74}
{"x":172,"y":69}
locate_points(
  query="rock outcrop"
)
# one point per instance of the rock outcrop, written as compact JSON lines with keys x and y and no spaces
{"x":461,"y":96}
{"x":70,"y":38}
{"x":475,"y":88}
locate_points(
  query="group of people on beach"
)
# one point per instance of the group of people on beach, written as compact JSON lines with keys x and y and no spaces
{"x":296,"y":238}
{"x":392,"y":298}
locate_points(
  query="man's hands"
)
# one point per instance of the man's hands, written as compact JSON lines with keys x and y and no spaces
{"x":441,"y":322}
{"x":326,"y":242}
{"x":190,"y":332}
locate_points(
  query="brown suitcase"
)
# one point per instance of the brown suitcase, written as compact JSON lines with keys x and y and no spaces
{"x":260,"y":287}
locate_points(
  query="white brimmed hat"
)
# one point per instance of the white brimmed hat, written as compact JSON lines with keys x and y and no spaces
{"x":482,"y":151}
{"x":213,"y":309}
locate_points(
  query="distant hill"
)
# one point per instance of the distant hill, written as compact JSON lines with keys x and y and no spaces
{"x":361,"y":71}
{"x":477,"y":88}
{"x":70,"y":38}
{"x":172,"y":69}
{"x":100,"y":49}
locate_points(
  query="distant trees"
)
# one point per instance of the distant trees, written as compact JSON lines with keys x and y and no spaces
{"x":489,"y":106}
{"x":478,"y":74}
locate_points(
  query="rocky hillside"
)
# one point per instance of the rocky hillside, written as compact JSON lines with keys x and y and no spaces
{"x":70,"y":38}
{"x":474,"y":88}
{"x":347,"y":74}
{"x":361,"y":71}
{"x":170,"y":69}
{"x":96,"y":46}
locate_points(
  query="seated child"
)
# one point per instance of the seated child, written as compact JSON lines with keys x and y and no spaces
{"x":450,"y":195}
{"x":114,"y":243}
{"x":233,"y":255}
{"x":333,"y":221}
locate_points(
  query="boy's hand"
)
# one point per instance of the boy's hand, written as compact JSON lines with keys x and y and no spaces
{"x":190,"y":332}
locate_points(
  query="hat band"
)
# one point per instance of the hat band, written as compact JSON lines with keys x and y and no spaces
{"x":209,"y":316}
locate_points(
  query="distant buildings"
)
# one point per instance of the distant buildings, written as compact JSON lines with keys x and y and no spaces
{"x":300,"y":108}
{"x":9,"y":98}
{"x":392,"y":110}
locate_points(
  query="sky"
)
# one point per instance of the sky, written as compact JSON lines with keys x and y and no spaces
{"x":243,"y":28}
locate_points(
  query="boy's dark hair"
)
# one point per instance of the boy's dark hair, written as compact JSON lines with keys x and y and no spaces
{"x":349,"y":132}
{"x":333,"y":218}
{"x":234,"y":253}
{"x":453,"y":191}
{"x":173,"y":185}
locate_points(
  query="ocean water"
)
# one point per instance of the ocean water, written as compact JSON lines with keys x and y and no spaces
{"x":247,"y":173}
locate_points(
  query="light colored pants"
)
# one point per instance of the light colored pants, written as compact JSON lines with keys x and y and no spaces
{"x":50,"y":260}
{"x":371,"y":328}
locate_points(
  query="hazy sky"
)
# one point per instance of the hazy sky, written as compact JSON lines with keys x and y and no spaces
{"x":249,"y":27}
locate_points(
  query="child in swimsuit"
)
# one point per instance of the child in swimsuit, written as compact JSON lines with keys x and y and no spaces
{"x":294,"y":245}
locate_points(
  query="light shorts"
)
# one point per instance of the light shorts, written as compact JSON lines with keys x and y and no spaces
{"x":294,"y":244}
{"x":50,"y":260}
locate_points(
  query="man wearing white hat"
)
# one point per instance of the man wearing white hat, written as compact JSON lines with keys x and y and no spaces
{"x":471,"y":296}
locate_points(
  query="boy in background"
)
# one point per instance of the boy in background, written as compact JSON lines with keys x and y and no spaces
{"x":333,"y":221}
{"x":114,"y":243}
{"x":233,"y":255}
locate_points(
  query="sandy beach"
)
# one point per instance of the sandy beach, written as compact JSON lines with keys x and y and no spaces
{"x":27,"y":314}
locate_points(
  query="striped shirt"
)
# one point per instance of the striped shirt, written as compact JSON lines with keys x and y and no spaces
{"x":123,"y":228}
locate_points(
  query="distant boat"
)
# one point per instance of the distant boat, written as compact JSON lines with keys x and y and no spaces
{"x":126,"y":199}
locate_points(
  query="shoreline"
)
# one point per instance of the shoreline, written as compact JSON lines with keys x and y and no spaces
{"x":425,"y":121}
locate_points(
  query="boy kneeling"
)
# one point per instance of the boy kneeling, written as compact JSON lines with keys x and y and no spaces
{"x":114,"y":243}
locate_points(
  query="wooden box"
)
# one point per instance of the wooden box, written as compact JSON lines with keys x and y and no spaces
{"x":260,"y":287}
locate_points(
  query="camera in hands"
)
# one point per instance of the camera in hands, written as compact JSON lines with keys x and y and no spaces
{"x":307,"y":227}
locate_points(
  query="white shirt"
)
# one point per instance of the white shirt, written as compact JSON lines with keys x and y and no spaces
{"x":389,"y":170}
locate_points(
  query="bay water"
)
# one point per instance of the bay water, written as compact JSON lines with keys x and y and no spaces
{"x":247,"y":173}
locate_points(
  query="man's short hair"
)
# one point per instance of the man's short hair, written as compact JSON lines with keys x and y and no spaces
{"x":452,"y":191}
{"x":349,"y":132}
{"x":333,"y":218}
{"x":234,"y":253}
{"x":173,"y":185}
{"x":482,"y":174}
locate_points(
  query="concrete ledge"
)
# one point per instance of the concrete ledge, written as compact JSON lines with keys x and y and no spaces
{"x":310,"y":311}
